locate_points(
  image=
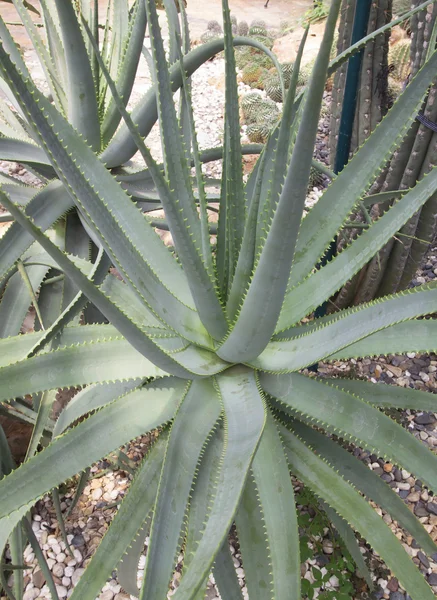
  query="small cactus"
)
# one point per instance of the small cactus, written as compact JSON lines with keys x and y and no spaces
{"x":250,"y":106}
{"x":243,"y":28}
{"x":258,"y":31}
{"x":214,"y":26}
{"x":287,"y":71}
{"x":208,"y":36}
{"x":399,"y":57}
{"x":258,"y":134}
{"x":273,"y":89}
{"x":251,"y":73}
{"x":233,"y":20}
{"x":259,"y":23}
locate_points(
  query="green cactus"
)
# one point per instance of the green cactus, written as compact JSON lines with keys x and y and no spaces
{"x":399,"y":60}
{"x":258,"y":133}
{"x":243,"y":28}
{"x":208,"y":36}
{"x":250,"y":106}
{"x":214,"y":26}
{"x":234,"y":20}
{"x":258,"y":31}
{"x":251,"y":73}
{"x":273,"y":88}
{"x":258,"y":23}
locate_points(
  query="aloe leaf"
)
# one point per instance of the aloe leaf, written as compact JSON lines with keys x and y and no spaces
{"x":352,"y":507}
{"x":232,"y":184}
{"x":383,"y":395}
{"x":131,"y":515}
{"x":244,"y":418}
{"x":127,"y":417}
{"x":43,"y":55}
{"x":127,"y":569}
{"x":301,"y":300}
{"x":17,"y":544}
{"x":348,"y":536}
{"x":201,"y":498}
{"x":20,"y":151}
{"x":134,"y":334}
{"x":178,"y":211}
{"x":15,"y":301}
{"x":122,"y":147}
{"x":322,"y":223}
{"x":261,"y":306}
{"x":81,"y":92}
{"x":49,"y":370}
{"x":42,"y":561}
{"x":366,"y":481}
{"x":128,"y":69}
{"x":276,"y":497}
{"x":55,"y":47}
{"x":141,"y":254}
{"x":45,"y":208}
{"x":411,"y":336}
{"x":345,"y":329}
{"x":45,"y":409}
{"x":254,"y":543}
{"x":92,"y":398}
{"x":265,"y":190}
{"x":97,"y":273}
{"x":197,"y":414}
{"x":354,"y":419}
{"x":225,"y":574}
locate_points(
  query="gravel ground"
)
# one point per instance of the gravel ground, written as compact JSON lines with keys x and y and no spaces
{"x":91,"y":517}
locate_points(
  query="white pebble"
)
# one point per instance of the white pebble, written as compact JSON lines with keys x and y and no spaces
{"x":66,"y":582}
{"x":69,"y":571}
{"x":97,"y":494}
{"x":31,"y":594}
{"x":58,"y":570}
{"x":61,"y":557}
{"x":56,"y":548}
{"x":62,"y":591}
{"x":108,"y":595}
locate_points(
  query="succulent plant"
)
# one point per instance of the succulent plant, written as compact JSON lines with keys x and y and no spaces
{"x":250,"y":105}
{"x":258,"y":23}
{"x":258,"y":31}
{"x":206,"y":345}
{"x":273,"y":88}
{"x":251,"y":74}
{"x":214,"y":26}
{"x":399,"y":60}
{"x":258,"y":132}
{"x":243,"y":28}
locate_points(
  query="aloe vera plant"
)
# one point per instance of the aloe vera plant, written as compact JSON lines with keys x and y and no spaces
{"x":207,"y":345}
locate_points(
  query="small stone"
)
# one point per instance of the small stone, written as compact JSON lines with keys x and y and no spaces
{"x":432,"y":508}
{"x":56,"y":548}
{"x":38,"y":579}
{"x":404,"y":486}
{"x":122,"y":596}
{"x":378,"y":371}
{"x":61,"y":557}
{"x":432,"y":579}
{"x":58,"y":570}
{"x":397,"y":371}
{"x":62,"y":591}
{"x":69,"y":571}
{"x":77,"y":575}
{"x":327,"y":546}
{"x":97,"y":494}
{"x":424,"y":376}
{"x":388,"y":467}
{"x":31,"y":594}
{"x":425,"y":419}
{"x":397,"y":596}
{"x":66,"y":582}
{"x":420,"y":510}
{"x":423,"y":559}
{"x":108,"y":595}
{"x":413,"y":497}
{"x":77,"y":541}
{"x":393,"y":584}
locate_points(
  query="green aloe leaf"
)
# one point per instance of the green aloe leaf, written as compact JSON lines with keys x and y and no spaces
{"x":127,"y":569}
{"x":322,"y":223}
{"x":411,"y":336}
{"x":244,"y":418}
{"x":197,"y":414}
{"x":81,"y":92}
{"x":261,"y":306}
{"x":352,"y":507}
{"x":141,"y":252}
{"x":225,"y":574}
{"x":345,"y":329}
{"x":366,"y":481}
{"x":126,"y":524}
{"x":354,"y":419}
{"x":126,"y":418}
{"x":383,"y":395}
{"x":314,"y":290}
